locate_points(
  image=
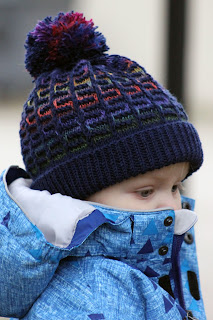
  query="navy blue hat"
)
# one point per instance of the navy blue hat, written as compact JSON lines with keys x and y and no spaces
{"x":94,"y":119}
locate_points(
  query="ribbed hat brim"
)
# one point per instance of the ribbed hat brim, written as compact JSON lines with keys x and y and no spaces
{"x":132,"y":155}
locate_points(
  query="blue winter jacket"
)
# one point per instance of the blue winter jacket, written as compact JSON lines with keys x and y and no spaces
{"x":61,"y":262}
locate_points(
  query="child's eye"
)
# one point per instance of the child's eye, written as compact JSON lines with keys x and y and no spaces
{"x":177,"y":187}
{"x":145,"y":193}
{"x":174,"y":188}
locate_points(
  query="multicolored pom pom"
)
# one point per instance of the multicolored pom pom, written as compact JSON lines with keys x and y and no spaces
{"x":62,"y":42}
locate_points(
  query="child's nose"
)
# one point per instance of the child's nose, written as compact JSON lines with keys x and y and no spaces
{"x":170,"y":201}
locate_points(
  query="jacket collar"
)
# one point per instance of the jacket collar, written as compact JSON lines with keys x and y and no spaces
{"x":67,"y":222}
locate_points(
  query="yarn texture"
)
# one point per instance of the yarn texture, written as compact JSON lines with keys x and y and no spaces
{"x":95,"y":119}
{"x":61,"y":42}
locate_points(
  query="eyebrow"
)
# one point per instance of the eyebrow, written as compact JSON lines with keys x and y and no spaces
{"x":156,"y":178}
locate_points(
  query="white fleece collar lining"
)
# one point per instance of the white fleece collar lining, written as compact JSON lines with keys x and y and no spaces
{"x":55,"y":215}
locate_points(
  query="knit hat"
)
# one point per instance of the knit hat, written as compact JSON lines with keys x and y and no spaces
{"x":94,"y":119}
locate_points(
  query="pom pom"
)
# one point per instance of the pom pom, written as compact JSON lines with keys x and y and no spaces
{"x":62,"y":42}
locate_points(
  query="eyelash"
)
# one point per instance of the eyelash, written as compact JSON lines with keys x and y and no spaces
{"x":179,"y":187}
{"x":174,"y":188}
{"x":148,"y":192}
{"x":145,"y":193}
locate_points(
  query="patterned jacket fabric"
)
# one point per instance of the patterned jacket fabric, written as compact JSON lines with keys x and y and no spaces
{"x":119,"y":265}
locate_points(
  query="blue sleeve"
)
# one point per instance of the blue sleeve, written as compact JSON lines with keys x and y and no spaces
{"x":27,"y":260}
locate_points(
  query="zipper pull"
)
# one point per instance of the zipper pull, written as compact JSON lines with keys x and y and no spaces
{"x":190,"y":316}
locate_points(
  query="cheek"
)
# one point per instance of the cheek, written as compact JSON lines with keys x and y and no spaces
{"x":177,"y":201}
{"x":174,"y":201}
{"x":135,"y":202}
{"x":119,"y":200}
{"x":164,"y":200}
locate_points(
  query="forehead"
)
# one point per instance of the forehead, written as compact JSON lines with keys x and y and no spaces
{"x":177,"y":169}
{"x":174,"y":172}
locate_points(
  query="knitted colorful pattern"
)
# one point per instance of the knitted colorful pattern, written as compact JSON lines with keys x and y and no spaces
{"x":92,"y":119}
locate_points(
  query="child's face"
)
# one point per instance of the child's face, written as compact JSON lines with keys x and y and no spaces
{"x":153,"y":190}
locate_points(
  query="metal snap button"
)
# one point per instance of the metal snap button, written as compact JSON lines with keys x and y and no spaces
{"x":163,"y":250}
{"x":188,"y":238}
{"x":168,"y":221}
{"x":186,"y":205}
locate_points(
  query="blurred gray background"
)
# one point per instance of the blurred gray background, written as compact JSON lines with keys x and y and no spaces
{"x":139,"y":30}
